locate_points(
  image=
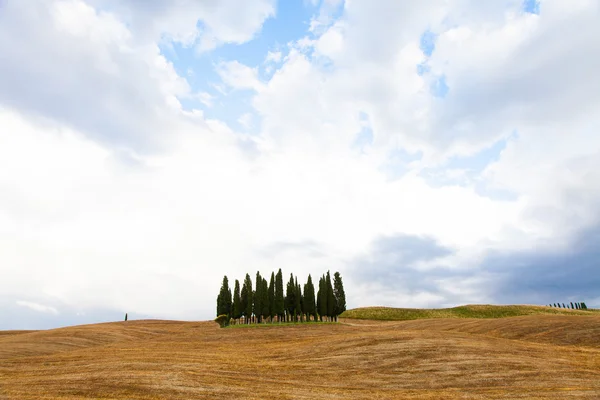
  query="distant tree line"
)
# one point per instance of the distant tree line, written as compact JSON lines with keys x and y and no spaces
{"x":267,"y":302}
{"x":573,"y":306}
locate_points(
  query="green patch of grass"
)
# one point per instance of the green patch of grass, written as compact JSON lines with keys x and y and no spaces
{"x":276,"y":324}
{"x":468,"y":311}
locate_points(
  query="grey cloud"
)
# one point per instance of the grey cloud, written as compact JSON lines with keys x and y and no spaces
{"x":392,"y":263}
{"x":544,"y":277}
{"x":517,"y":277}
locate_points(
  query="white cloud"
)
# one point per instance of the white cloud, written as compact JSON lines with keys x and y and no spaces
{"x":273,"y":56}
{"x":206,"y":24}
{"x":38,"y":307}
{"x":239,"y":76}
{"x":246,"y":120}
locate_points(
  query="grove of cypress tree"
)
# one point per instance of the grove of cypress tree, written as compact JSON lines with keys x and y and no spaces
{"x":339,"y":294}
{"x":224,"y":299}
{"x":237,"y":301}
{"x":330,"y":297}
{"x":279,"y":303}
{"x":583,"y":305}
{"x":309,"y":299}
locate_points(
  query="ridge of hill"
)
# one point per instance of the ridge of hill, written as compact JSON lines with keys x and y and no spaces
{"x":466,"y":311}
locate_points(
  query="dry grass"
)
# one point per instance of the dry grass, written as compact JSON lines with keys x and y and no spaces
{"x":468,"y":311}
{"x":529,"y":357}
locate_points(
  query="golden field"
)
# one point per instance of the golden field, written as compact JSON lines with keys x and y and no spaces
{"x":525,"y":357}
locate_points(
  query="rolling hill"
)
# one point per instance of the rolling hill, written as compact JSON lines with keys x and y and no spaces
{"x":525,"y":357}
{"x":468,"y":311}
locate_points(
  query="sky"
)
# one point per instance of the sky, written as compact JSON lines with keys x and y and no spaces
{"x":435,"y":153}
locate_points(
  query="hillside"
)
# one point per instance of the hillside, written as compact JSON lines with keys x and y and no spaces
{"x":468,"y":311}
{"x":532,"y":357}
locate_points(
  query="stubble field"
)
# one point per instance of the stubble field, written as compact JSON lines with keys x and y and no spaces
{"x":526,"y":357}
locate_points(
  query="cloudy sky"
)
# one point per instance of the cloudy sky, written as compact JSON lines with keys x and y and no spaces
{"x":436,"y":153}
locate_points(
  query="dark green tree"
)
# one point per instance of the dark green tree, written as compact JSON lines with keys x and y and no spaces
{"x":297,"y":301}
{"x":272,"y":310}
{"x":583,"y":305}
{"x":258,"y":297}
{"x":290,"y":298}
{"x":563,"y":305}
{"x":224,"y":299}
{"x":237,"y":303}
{"x":265,"y":299}
{"x":572,"y":307}
{"x":339,"y":294}
{"x":309,"y":299}
{"x":246,"y":298}
{"x":322,"y":298}
{"x":330,"y":297}
{"x":279,"y":303}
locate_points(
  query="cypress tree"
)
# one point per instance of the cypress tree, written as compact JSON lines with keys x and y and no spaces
{"x":572,"y":308}
{"x":322,"y":298}
{"x":583,"y":305}
{"x":339,"y":294}
{"x":272,"y":310}
{"x":258,"y":298}
{"x":330,"y":297}
{"x":309,"y":299}
{"x":554,"y":305}
{"x":563,"y":305}
{"x":279,"y":301}
{"x":297,"y":301}
{"x":247,"y":298}
{"x":290,"y":298}
{"x":224,"y":299}
{"x":265,"y":299}
{"x":237,"y":308}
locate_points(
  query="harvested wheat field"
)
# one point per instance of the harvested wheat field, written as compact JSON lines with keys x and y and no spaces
{"x":526,"y":357}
